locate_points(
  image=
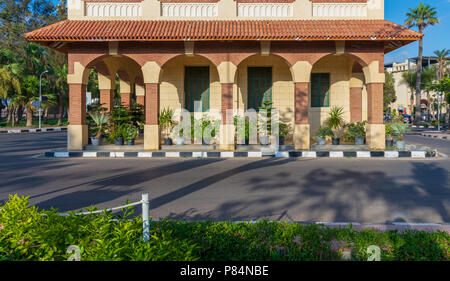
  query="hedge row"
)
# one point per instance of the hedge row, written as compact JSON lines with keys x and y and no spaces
{"x":27,"y":233}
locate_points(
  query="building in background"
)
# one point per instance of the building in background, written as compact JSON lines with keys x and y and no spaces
{"x":404,"y":93}
{"x":305,"y":56}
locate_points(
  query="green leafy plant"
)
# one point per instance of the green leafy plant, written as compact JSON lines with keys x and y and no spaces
{"x":129,"y":132}
{"x":399,"y":129}
{"x":30,"y":234}
{"x":265,"y":122}
{"x":389,"y":132}
{"x":356,"y":130}
{"x":324,"y":131}
{"x":285,"y":130}
{"x":336,"y":121}
{"x":101,"y":122}
{"x":166,"y":121}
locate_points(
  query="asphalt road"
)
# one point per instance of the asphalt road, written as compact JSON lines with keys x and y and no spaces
{"x":322,"y":190}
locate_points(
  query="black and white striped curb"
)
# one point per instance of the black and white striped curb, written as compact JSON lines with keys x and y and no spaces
{"x":435,"y":136}
{"x":43,"y":130}
{"x":282,"y":154}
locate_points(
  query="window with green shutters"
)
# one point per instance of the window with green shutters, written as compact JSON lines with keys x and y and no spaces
{"x":196,"y":88}
{"x":259,"y":86}
{"x":320,"y":90}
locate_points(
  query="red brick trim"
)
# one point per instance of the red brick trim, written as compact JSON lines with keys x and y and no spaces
{"x":355,"y":104}
{"x":151,"y":103}
{"x":77,"y":104}
{"x":375,"y":103}
{"x":301,"y":103}
{"x":227,"y":100}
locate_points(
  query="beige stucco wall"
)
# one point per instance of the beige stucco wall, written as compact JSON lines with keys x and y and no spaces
{"x":172,"y":84}
{"x":282,"y":87}
{"x":227,"y":9}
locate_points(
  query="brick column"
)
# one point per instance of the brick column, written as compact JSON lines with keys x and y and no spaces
{"x":126,"y":99}
{"x":375,"y":128}
{"x":77,"y":136}
{"x":107,"y":99}
{"x":151,"y":128}
{"x":302,"y":128}
{"x":356,"y":104}
{"x":140,"y":100}
{"x":227,"y":130}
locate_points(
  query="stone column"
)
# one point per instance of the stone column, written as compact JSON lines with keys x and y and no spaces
{"x":77,"y":135}
{"x":151,"y":128}
{"x":375,"y":129}
{"x":302,"y":128}
{"x":227,"y":130}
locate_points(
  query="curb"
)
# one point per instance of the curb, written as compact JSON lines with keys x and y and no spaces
{"x":282,"y":154}
{"x":43,"y":130}
{"x":434,"y":136}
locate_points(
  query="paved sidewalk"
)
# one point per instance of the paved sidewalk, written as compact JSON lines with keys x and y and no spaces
{"x":32,"y":130}
{"x":437,"y":135}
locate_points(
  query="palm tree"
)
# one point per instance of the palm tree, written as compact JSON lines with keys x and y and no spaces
{"x":442,"y":56}
{"x":421,"y":17}
{"x":410,"y":78}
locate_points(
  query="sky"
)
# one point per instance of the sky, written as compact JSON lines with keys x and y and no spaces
{"x":437,"y":37}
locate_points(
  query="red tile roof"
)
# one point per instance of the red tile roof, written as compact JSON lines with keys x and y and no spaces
{"x":164,"y":30}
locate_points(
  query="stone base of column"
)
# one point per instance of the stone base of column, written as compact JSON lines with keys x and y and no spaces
{"x":376,"y":136}
{"x":77,"y":137}
{"x":151,"y":137}
{"x":302,"y":137}
{"x":227,"y":133}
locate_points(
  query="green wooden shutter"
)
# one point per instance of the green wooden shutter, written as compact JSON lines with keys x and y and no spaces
{"x":196,"y":88}
{"x":259,"y":86}
{"x":320,"y":90}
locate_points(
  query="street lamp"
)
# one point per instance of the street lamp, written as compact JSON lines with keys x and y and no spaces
{"x":40,"y":97}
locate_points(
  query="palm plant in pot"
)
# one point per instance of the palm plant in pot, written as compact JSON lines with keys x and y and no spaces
{"x":399,"y":129}
{"x":322,"y":134}
{"x":336,"y":123}
{"x":166,"y":123}
{"x":129,"y":132}
{"x":101,"y":121}
{"x":357,"y":132}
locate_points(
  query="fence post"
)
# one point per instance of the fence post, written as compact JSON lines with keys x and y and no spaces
{"x":145,"y":217}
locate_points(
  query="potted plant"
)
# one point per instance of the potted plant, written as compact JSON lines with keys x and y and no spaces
{"x":116,"y":135}
{"x":322,"y":133}
{"x":129,"y":132}
{"x":166,"y":123}
{"x":284,"y":131}
{"x":336,"y":123}
{"x":265,"y":123}
{"x":389,"y":135}
{"x":101,"y":121}
{"x":357,"y":132}
{"x":399,"y":129}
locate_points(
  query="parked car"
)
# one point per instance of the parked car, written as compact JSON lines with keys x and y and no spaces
{"x":407,"y":118}
{"x":387,"y":117}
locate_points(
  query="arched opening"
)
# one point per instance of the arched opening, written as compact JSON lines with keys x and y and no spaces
{"x":262,"y":79}
{"x":110,"y":90}
{"x":337,"y":80}
{"x":186,"y":80}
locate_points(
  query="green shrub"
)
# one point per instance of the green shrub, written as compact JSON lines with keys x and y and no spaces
{"x":356,"y":130}
{"x":27,"y":233}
